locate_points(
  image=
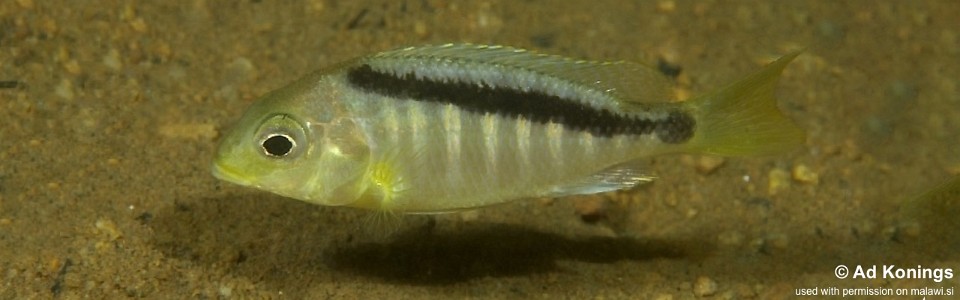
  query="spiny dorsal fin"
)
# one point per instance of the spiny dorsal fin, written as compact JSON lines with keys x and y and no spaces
{"x":625,"y":81}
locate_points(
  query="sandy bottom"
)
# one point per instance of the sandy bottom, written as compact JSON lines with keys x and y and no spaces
{"x":111,"y":114}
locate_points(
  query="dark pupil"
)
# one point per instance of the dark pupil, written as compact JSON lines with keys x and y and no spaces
{"x":278,"y":145}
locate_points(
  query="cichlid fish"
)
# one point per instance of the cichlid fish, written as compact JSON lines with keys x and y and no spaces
{"x":937,"y":211}
{"x":443,"y":128}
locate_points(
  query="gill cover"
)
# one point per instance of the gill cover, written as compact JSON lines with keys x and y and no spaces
{"x":343,"y":162}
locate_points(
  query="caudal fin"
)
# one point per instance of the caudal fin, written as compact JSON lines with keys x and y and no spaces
{"x":743,"y":119}
{"x":937,"y":207}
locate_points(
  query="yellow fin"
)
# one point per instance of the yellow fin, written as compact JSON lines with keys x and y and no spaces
{"x":933,"y":217}
{"x":938,"y":208}
{"x":386,"y":187}
{"x":382,"y":223}
{"x":387,"y":184}
{"x":743,"y":119}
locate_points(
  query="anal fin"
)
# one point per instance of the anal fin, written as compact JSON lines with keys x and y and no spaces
{"x":623,"y":176}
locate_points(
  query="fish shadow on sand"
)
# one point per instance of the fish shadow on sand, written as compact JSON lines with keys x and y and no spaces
{"x":281,"y":241}
{"x":479,"y":250}
{"x":295,"y":246}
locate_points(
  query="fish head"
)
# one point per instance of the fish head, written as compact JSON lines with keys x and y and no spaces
{"x":297,"y":142}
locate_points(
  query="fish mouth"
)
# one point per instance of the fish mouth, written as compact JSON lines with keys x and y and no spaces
{"x":228,"y":174}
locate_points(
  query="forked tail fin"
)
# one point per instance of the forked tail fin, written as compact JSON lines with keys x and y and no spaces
{"x":743,"y":119}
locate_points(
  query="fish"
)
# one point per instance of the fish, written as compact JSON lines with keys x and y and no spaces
{"x":935,"y":213}
{"x":445,"y":128}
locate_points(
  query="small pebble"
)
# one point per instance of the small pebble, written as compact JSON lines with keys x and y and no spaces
{"x":771,"y":244}
{"x":708,"y":164}
{"x":139,"y":25}
{"x":778,"y":241}
{"x":161,"y":50}
{"x":666,"y":6}
{"x":664,"y":297}
{"x":904,"y":232}
{"x":25,"y":3}
{"x":864,"y":228}
{"x":103,"y":246}
{"x":744,"y":291}
{"x":954,"y":170}
{"x":72,"y":67}
{"x":730,"y":238}
{"x":49,"y":26}
{"x":803,"y":174}
{"x":591,"y":209}
{"x":64,"y":89}
{"x":851,"y":150}
{"x":54,"y":265}
{"x":112,"y":60}
{"x":240,"y":70}
{"x":316,"y":6}
{"x":226,"y":291}
{"x":779,"y":180}
{"x":911,"y":229}
{"x":671,"y":200}
{"x":704,"y":286}
{"x":681,"y":94}
{"x":109,"y":228}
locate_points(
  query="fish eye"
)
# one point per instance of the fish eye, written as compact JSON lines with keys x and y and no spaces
{"x":281,"y":136}
{"x":278,"y":145}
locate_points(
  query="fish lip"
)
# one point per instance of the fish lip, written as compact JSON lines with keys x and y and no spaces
{"x":228,"y":174}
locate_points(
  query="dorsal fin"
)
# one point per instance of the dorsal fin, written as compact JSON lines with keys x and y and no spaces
{"x":623,"y":81}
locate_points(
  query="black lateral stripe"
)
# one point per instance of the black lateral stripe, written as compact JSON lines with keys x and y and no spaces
{"x":535,"y":106}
